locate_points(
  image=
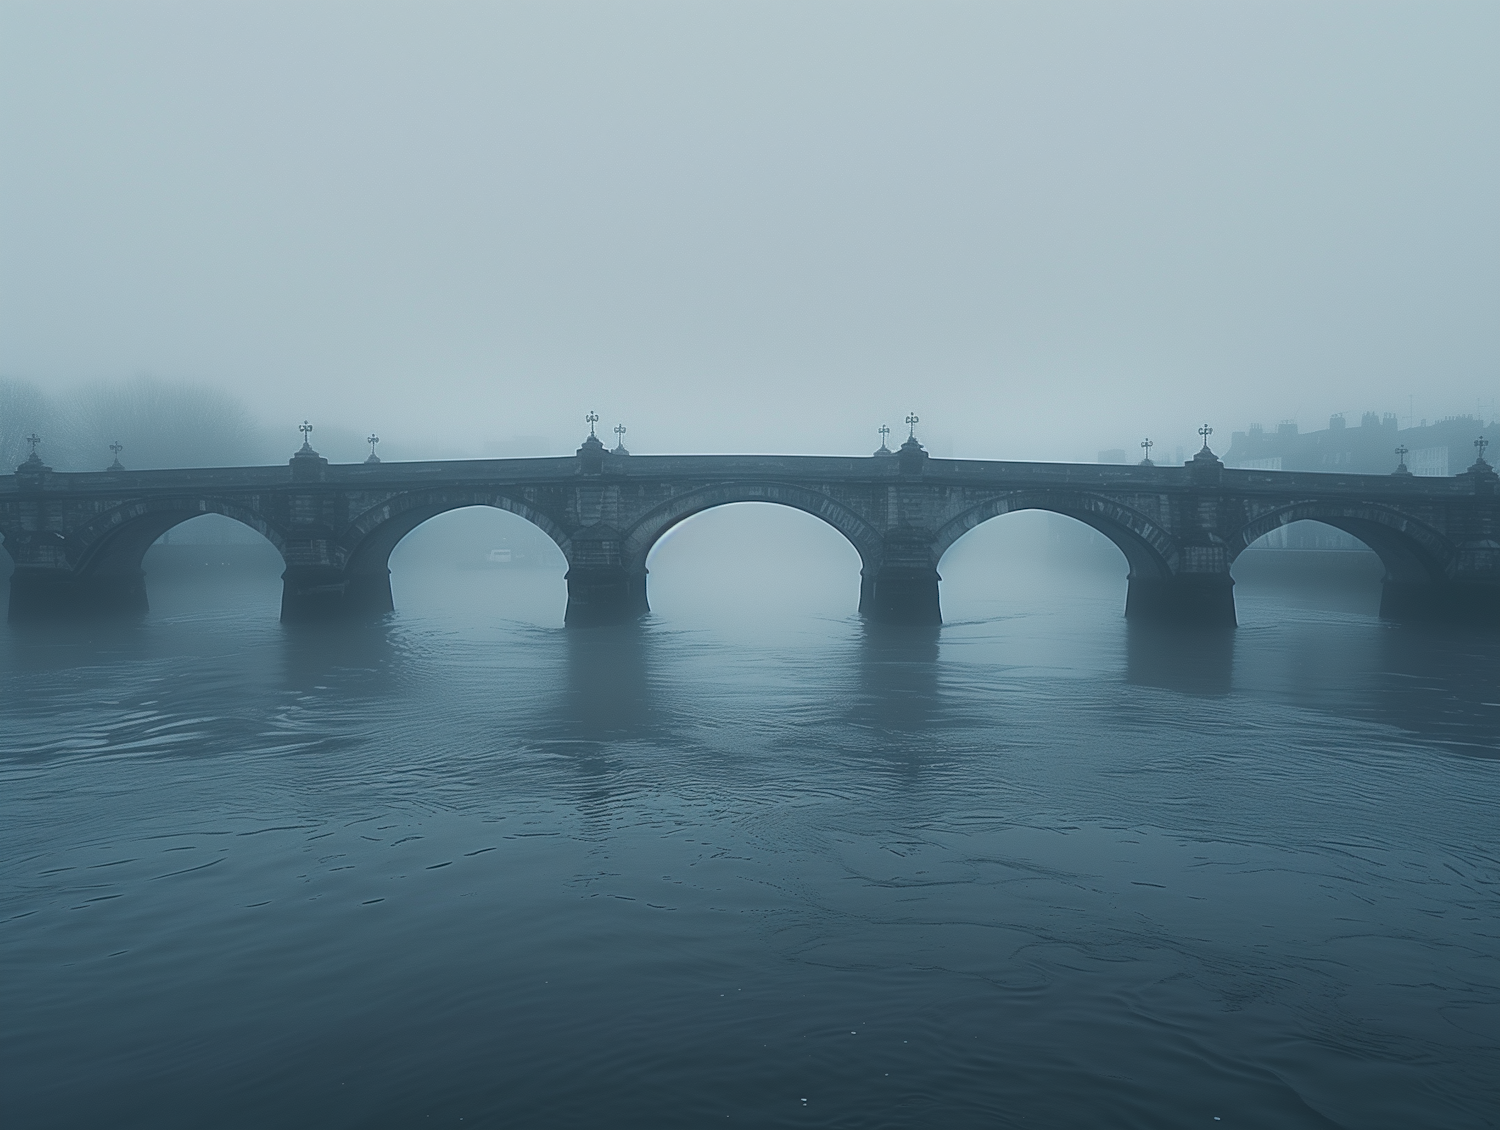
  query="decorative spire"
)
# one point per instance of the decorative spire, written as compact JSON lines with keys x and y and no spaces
{"x":307,"y":463}
{"x":884,"y":432}
{"x":591,"y":419}
{"x":620,"y":431}
{"x":1401,"y":453}
{"x":1146,"y":446}
{"x":911,"y":458}
{"x":1479,"y":445}
{"x":1206,"y":463}
{"x":116,"y":448}
{"x":33,"y":462}
{"x":372,"y":439}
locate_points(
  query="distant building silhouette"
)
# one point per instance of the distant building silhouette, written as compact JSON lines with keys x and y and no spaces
{"x":1434,"y":450}
{"x":1443,"y":448}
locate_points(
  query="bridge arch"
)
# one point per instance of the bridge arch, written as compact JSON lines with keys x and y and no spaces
{"x":115,"y":543}
{"x":372,"y":536}
{"x":1411,"y":551}
{"x":1150,"y":550}
{"x":650,"y":528}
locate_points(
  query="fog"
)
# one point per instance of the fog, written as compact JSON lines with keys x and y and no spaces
{"x":1047,"y":228}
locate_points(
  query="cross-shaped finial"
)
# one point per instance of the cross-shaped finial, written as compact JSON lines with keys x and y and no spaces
{"x":884,"y":431}
{"x":1401,"y":453}
{"x":306,"y":429}
{"x":116,"y":448}
{"x":1147,"y":445}
{"x":591,"y":419}
{"x":912,"y":420}
{"x":1205,"y":431}
{"x":1479,"y":445}
{"x":34,"y":440}
{"x":619,"y":433}
{"x":372,"y":439}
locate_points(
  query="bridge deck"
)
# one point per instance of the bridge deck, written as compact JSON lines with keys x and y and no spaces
{"x":827,"y":468}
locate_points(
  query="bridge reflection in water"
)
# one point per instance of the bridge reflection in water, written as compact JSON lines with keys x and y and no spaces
{"x":78,"y":540}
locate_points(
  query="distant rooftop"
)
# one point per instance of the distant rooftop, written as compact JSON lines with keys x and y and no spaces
{"x":1445,"y":447}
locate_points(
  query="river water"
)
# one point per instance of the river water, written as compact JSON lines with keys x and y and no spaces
{"x":751,"y":863}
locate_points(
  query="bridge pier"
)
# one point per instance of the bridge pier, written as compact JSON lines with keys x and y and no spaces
{"x":311,"y":593}
{"x":38,"y":594}
{"x":1196,"y":599}
{"x":1467,"y":593}
{"x":608,"y":595}
{"x":1475,"y":603}
{"x":901,"y":595}
{"x":368,"y":594}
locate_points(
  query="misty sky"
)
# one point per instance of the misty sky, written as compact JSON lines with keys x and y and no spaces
{"x":1049,"y":228}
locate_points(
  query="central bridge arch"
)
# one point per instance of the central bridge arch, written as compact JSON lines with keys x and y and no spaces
{"x":649,"y":528}
{"x":1151,"y":552}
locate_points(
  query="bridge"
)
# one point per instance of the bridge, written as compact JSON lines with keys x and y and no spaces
{"x":78,"y":539}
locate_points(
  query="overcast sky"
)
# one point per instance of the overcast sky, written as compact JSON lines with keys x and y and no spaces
{"x":1048,"y":228}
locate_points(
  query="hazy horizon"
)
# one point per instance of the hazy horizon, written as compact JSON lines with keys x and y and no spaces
{"x":1047,"y":229}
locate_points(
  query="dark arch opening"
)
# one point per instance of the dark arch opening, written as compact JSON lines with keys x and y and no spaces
{"x":1411,"y":553}
{"x":1028,"y":559}
{"x":744,"y":561}
{"x":469,"y":557}
{"x":200,"y":548}
{"x":111,"y":574}
{"x":1313,"y":564}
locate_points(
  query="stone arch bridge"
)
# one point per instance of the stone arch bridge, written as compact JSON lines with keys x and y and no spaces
{"x":78,"y":539}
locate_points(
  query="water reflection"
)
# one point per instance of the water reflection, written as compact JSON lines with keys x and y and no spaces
{"x":1436,"y":682}
{"x":898,"y":677}
{"x":1192,"y":661}
{"x":607,"y":694}
{"x":363,"y":658}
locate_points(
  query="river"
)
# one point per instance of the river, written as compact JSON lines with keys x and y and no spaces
{"x":752,"y":862}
